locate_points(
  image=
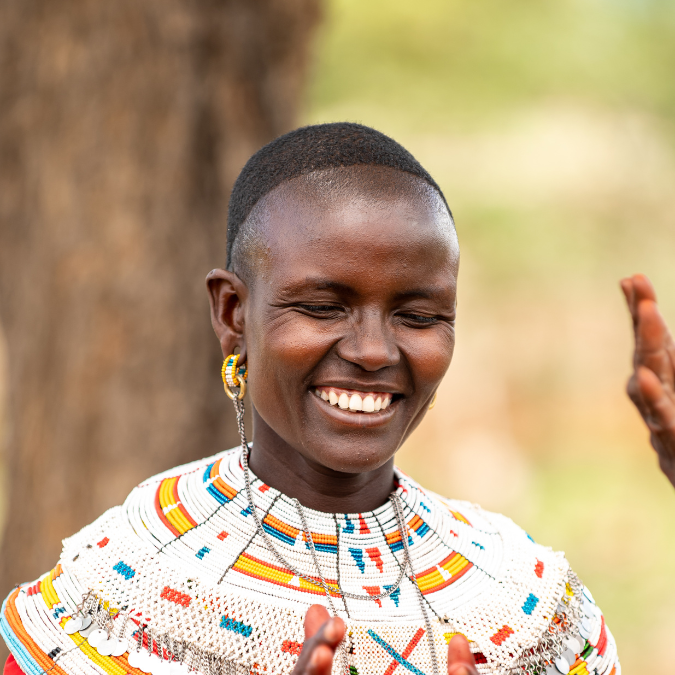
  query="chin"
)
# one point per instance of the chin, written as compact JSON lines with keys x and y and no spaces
{"x":353,"y":459}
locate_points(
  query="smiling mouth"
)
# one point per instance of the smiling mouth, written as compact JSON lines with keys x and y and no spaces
{"x":354,"y":401}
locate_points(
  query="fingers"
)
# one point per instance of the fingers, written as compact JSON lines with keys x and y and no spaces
{"x":323,"y":634}
{"x":629,"y":294}
{"x":643,"y":288}
{"x":460,"y":658}
{"x":637,"y":288}
{"x":652,"y":342}
{"x":660,"y":406}
{"x":659,"y":415}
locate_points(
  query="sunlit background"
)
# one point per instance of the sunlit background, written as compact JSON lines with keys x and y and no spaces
{"x":550,"y":127}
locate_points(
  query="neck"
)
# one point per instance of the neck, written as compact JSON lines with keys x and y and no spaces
{"x":315,"y":486}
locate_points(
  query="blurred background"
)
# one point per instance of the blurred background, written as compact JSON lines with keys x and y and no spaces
{"x":551,"y":129}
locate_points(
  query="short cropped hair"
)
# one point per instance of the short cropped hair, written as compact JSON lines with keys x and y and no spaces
{"x":309,"y":149}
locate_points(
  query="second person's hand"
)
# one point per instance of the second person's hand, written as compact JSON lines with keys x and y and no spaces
{"x":652,"y":384}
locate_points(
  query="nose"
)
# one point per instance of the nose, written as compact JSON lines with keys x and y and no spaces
{"x":370,"y":343}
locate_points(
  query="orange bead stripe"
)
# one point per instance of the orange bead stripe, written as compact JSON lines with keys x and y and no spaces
{"x":259,"y":569}
{"x":219,"y":484}
{"x":170,"y":509}
{"x":433,"y":580}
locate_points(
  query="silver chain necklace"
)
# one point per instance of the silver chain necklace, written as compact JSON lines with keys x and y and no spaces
{"x":400,"y":521}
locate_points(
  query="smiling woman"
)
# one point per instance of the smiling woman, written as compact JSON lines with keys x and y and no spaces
{"x":339,"y":302}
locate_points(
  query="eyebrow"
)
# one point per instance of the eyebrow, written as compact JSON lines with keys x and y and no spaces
{"x":317,"y":284}
{"x":322,"y":284}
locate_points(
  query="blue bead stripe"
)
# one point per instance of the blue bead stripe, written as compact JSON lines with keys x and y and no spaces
{"x":124,"y":569}
{"x":394,"y":654}
{"x":530,"y":603}
{"x":235,"y":626}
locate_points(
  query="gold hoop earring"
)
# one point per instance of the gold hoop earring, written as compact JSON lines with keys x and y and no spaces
{"x":234,"y":377}
{"x":433,"y":400}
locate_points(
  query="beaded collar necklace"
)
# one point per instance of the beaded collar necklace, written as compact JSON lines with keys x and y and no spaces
{"x":189,"y":575}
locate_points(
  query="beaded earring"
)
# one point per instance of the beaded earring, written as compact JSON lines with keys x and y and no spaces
{"x":234,"y":377}
{"x":234,"y":383}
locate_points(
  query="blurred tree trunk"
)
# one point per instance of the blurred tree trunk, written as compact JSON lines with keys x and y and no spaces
{"x":122,"y":127}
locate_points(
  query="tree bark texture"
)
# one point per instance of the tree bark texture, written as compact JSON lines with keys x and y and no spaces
{"x":123,"y":125}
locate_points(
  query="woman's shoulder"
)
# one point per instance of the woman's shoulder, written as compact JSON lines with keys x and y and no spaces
{"x":534,"y":590}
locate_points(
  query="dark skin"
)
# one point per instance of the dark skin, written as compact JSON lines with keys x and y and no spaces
{"x":651,"y":387}
{"x":354,"y":290}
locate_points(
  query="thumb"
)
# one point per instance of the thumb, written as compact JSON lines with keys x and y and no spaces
{"x":460,"y":658}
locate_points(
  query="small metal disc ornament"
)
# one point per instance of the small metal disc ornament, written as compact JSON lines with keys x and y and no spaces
{"x":569,"y":656}
{"x":135,"y":658}
{"x":574,"y":644}
{"x":120,"y":647}
{"x":562,"y":665}
{"x":97,"y":637}
{"x":73,"y":625}
{"x":106,"y":647}
{"x":86,"y":632}
{"x":585,"y":629}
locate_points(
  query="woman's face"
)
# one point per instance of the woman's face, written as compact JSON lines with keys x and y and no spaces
{"x":349,"y":321}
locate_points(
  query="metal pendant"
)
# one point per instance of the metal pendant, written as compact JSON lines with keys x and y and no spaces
{"x":97,"y":637}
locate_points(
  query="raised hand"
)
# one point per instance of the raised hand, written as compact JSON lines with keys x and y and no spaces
{"x":652,"y":384}
{"x":322,"y":637}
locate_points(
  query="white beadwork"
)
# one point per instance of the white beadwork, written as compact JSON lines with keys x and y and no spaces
{"x":183,"y":561}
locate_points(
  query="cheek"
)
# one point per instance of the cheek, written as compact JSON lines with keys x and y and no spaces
{"x":284,"y":352}
{"x":429,"y":356}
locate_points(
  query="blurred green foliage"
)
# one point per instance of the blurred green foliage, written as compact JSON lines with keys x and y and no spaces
{"x":458,"y":61}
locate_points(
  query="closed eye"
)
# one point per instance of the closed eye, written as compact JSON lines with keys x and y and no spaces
{"x":323,"y":311}
{"x":420,"y":320}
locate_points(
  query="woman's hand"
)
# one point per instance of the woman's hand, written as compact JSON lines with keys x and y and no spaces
{"x":323,"y":636}
{"x":652,"y":384}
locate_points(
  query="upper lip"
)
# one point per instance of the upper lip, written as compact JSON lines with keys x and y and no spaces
{"x":365,"y":388}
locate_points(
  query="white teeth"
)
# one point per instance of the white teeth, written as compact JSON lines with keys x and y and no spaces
{"x":367,"y":403}
{"x":355,"y":402}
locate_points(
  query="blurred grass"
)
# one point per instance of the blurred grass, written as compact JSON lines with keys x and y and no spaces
{"x":551,"y":128}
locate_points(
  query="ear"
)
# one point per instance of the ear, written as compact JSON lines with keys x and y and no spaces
{"x":227,"y":297}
